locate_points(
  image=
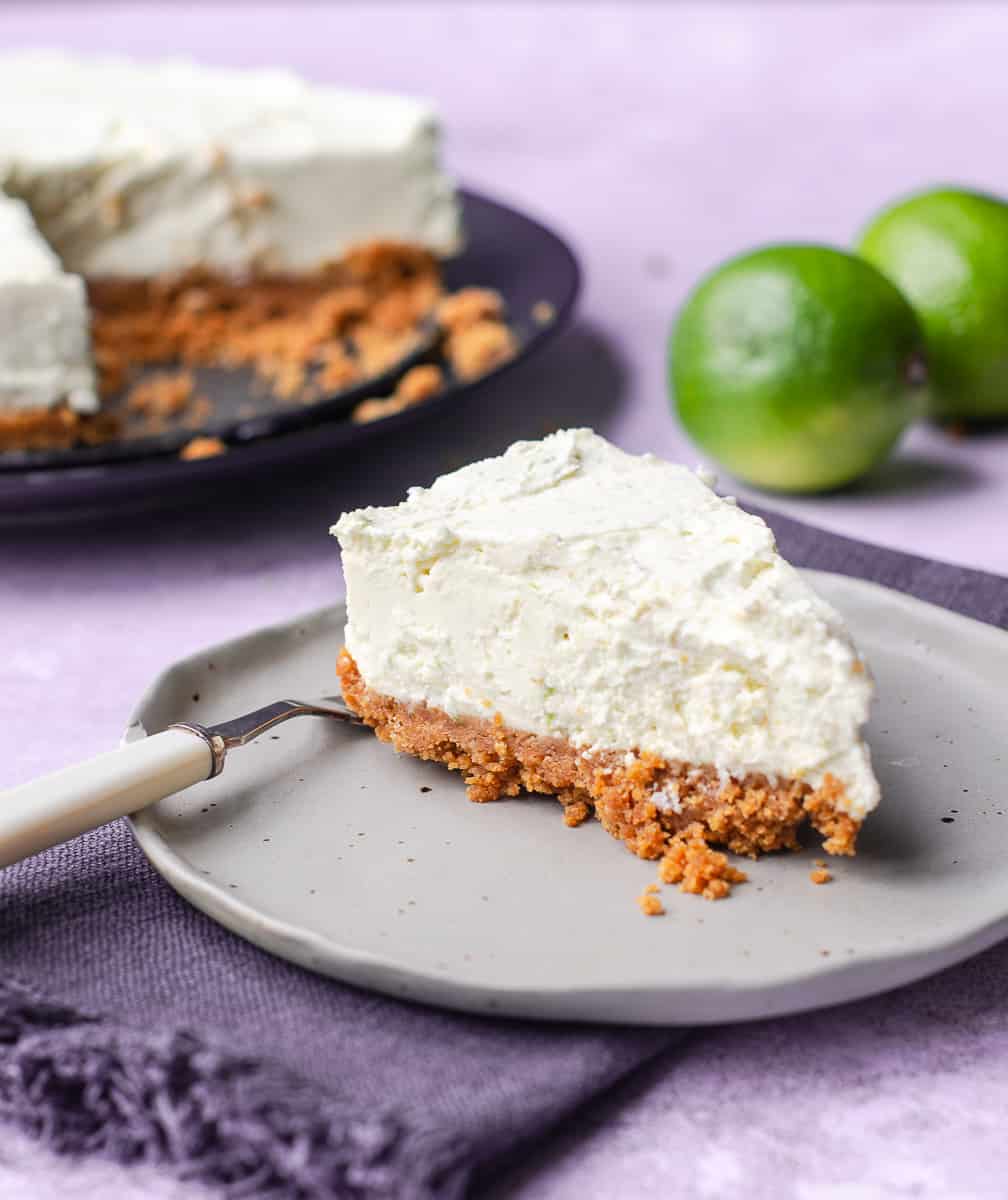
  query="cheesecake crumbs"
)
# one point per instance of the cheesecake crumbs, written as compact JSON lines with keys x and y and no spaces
{"x":57,"y":428}
{"x":468,"y":307}
{"x":820,"y":876}
{"x":165,"y":394}
{"x":476,"y":336}
{"x":648,"y":902}
{"x":202,"y":447}
{"x":350,"y":320}
{"x":416,"y":386}
{"x":575,"y":812}
{"x":696,"y":867}
{"x":823,"y":808}
{"x":478,"y":348}
{"x":305,"y":337}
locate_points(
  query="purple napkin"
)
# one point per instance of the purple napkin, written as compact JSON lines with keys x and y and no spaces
{"x":132,"y":1026}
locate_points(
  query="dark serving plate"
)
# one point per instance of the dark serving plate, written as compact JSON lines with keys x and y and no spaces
{"x":527,"y":263}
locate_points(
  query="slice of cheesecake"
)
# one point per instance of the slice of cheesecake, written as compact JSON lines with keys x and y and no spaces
{"x":574,"y":620}
{"x":47,"y":385}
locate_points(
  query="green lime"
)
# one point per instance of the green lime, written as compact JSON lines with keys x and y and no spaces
{"x":797,"y":367}
{"x":947,"y":250}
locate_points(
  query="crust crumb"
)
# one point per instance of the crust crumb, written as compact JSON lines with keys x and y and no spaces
{"x":468,"y":306}
{"x":576,"y":812}
{"x":839,"y":829}
{"x":419,"y":384}
{"x":476,"y":349}
{"x":56,"y":428}
{"x":649,"y":904}
{"x":202,"y":447}
{"x":373,"y":410}
{"x":338,"y":369}
{"x":699,"y":870}
{"x":378,"y":351}
{"x":820,"y":876}
{"x":416,"y":386}
{"x":165,"y":394}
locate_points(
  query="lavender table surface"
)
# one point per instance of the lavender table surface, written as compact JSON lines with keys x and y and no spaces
{"x":660,"y":139}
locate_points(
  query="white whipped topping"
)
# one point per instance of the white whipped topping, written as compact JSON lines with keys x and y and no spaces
{"x":136,"y":169}
{"x":45,"y":352}
{"x":611,"y":600}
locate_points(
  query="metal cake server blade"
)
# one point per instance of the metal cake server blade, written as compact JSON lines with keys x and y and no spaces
{"x":62,"y":805}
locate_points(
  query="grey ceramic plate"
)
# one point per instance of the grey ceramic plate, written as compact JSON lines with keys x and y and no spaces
{"x":322,"y":845}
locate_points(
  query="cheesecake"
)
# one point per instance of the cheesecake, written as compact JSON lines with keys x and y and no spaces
{"x":47,"y":382}
{"x":209,"y":216}
{"x":573,"y":620}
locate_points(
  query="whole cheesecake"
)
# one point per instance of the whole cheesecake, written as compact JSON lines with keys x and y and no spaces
{"x":578,"y":621}
{"x":191,"y":200}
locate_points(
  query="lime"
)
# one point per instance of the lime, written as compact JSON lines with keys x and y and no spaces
{"x":947,"y":250}
{"x":797,"y":367}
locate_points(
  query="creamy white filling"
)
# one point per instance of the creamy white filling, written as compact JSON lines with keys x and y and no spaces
{"x":611,"y":600}
{"x":45,"y":355}
{"x":135,"y":169}
{"x":140,"y":169}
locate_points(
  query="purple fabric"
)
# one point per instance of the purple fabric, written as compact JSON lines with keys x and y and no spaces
{"x":240,"y":1070}
{"x":132,"y":1026}
{"x":85,"y":1087}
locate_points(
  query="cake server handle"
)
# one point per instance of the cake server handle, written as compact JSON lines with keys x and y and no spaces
{"x":57,"y":807}
{"x":60,"y":806}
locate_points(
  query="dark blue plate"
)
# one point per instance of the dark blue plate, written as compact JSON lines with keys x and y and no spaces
{"x":533,"y":269}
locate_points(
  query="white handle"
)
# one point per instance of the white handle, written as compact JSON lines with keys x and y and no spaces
{"x":57,"y":807}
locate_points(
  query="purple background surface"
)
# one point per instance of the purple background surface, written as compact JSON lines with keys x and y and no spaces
{"x":660,"y":139}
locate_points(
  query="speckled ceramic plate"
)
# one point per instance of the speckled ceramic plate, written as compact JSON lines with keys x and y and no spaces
{"x":322,"y":845}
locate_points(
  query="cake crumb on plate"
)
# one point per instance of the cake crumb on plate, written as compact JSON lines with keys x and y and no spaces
{"x":478,"y":348}
{"x":696,"y":867}
{"x":164,"y":394}
{"x":202,"y":447}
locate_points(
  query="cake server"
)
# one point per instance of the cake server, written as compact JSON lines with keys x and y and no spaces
{"x":59,"y":806}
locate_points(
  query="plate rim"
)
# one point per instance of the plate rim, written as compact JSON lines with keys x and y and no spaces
{"x":832,"y":982}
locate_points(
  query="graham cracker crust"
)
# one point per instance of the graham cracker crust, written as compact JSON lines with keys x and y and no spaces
{"x":304,"y":335}
{"x":328,"y":328}
{"x":56,"y":428}
{"x":749,"y":816}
